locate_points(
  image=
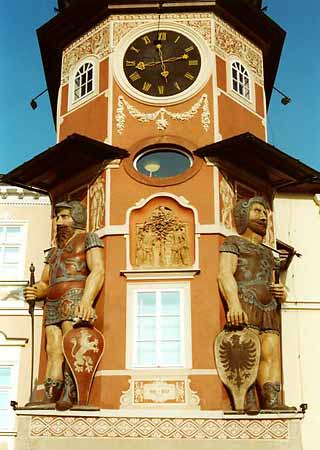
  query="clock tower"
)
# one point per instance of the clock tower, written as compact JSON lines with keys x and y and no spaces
{"x":160,"y":111}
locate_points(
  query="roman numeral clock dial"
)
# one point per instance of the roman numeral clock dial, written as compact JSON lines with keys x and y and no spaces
{"x":162,"y":63}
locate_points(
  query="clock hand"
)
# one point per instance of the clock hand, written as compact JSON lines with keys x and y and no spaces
{"x":142,"y":65}
{"x":164,"y":72}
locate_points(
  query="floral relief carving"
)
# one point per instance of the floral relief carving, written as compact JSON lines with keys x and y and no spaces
{"x":227,"y":203}
{"x":229,"y":42}
{"x":162,"y":241}
{"x":159,"y":115}
{"x":198,"y":22}
{"x":95,"y":42}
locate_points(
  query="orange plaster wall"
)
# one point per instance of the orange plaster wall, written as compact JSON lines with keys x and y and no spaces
{"x":104,"y":75}
{"x":221,"y":73}
{"x":213,"y":395}
{"x":113,"y":307}
{"x":64,"y":99}
{"x":234,"y":119}
{"x":135,"y":131}
{"x":259,"y":100}
{"x":206,"y":309}
{"x":125,"y":192}
{"x":107,"y":390}
{"x":89,"y":120}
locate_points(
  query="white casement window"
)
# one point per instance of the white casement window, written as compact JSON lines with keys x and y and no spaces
{"x":8,"y":381}
{"x":12,"y":251}
{"x":240,"y":80}
{"x":158,"y":334}
{"x":83,"y":81}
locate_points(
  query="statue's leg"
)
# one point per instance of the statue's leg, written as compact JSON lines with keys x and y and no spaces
{"x":69,"y":393}
{"x":54,"y":377}
{"x":269,"y":374}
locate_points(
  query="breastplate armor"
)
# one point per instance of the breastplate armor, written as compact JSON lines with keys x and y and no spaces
{"x":68,"y":266}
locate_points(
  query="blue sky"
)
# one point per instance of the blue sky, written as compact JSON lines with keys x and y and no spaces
{"x":294,"y":129}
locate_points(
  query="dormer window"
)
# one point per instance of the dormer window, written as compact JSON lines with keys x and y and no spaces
{"x":83,"y":81}
{"x":240,"y":80}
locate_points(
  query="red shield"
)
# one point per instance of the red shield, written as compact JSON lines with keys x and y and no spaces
{"x":83,"y":348}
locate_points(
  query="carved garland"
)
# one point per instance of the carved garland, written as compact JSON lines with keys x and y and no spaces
{"x":159,"y":115}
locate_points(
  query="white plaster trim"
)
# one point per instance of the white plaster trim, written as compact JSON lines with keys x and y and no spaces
{"x":110,"y":95}
{"x":143,"y":373}
{"x":300,"y":306}
{"x":12,"y":342}
{"x":174,"y":274}
{"x":157,"y":413}
{"x":216,"y":195}
{"x":202,"y":79}
{"x":18,"y":311}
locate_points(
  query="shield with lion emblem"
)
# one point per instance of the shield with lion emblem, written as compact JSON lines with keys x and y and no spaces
{"x":83,"y":348}
{"x":237,"y":355}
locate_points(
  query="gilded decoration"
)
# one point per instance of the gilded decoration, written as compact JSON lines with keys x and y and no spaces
{"x":159,"y":428}
{"x":162,"y":241}
{"x":97,"y":204}
{"x":227,"y":203}
{"x":95,"y":42}
{"x":201,"y":23}
{"x":163,"y":392}
{"x":159,"y":116}
{"x":229,"y":42}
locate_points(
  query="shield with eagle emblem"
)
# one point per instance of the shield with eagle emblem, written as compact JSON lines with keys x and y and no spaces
{"x":237,"y":355}
{"x":83,"y":348}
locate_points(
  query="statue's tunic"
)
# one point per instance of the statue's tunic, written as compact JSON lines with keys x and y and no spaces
{"x":254,"y":276}
{"x":68,"y":274}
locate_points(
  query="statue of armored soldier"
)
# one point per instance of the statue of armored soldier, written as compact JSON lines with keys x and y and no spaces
{"x":70,"y":282}
{"x":246,"y":281}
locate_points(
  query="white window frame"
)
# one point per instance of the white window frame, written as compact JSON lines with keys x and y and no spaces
{"x":74,"y":102}
{"x":247,"y":101}
{"x":19,"y":273}
{"x":131,"y":348}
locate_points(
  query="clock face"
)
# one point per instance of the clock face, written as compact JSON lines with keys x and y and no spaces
{"x":162,"y":63}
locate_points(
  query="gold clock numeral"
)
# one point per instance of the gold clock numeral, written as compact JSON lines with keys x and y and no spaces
{"x":161,"y":90}
{"x":146,"y":39}
{"x":176,"y":39}
{"x":162,"y":36}
{"x":146,"y":86}
{"x":130,"y":63}
{"x":176,"y":84}
{"x":189,"y":76}
{"x":193,"y":62}
{"x":189,"y":49}
{"x":134,"y":49}
{"x":134,"y":76}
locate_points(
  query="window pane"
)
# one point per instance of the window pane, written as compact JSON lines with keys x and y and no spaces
{"x":5,"y":376}
{"x":146,"y":328}
{"x":170,"y":303}
{"x":13,"y":234}
{"x":170,"y":328}
{"x":146,"y":354}
{"x":2,"y":234}
{"x":4,"y":400}
{"x":146,"y":303}
{"x":170,"y":353}
{"x":11,"y":255}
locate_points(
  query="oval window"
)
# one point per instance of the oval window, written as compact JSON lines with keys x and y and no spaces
{"x":162,"y":163}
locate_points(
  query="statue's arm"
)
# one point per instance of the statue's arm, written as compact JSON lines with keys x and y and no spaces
{"x":94,"y":282}
{"x":40,"y":288}
{"x":229,"y":288}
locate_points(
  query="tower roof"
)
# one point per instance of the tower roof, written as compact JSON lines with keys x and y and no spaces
{"x":77,"y":16}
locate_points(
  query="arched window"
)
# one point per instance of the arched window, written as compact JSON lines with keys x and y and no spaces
{"x":83,"y":81}
{"x":240,"y":80}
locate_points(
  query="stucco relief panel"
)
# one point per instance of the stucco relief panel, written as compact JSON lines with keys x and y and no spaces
{"x":201,"y":23}
{"x":228,"y":198}
{"x":95,"y":42}
{"x":97,"y":201}
{"x":229,"y":42}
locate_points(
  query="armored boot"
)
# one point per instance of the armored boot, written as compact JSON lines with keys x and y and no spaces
{"x":69,"y":393}
{"x":271,"y":398}
{"x":251,"y":401}
{"x":52,"y":392}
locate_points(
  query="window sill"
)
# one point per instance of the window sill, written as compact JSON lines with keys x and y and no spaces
{"x":160,"y":274}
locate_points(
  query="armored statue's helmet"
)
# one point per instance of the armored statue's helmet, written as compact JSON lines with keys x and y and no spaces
{"x":242,"y":209}
{"x":78,"y":213}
